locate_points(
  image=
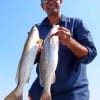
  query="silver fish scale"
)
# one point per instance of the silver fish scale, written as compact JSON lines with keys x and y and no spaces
{"x":48,"y":61}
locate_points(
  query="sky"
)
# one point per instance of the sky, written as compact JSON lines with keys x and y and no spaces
{"x":16,"y":19}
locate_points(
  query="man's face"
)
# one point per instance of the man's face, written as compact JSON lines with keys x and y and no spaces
{"x":51,"y":6}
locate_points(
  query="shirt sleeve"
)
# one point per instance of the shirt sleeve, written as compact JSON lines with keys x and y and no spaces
{"x":83,"y":36}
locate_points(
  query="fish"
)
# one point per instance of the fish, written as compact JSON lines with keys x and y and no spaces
{"x":48,"y":63}
{"x":25,"y":64}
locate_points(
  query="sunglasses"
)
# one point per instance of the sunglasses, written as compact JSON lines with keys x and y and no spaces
{"x":46,"y":1}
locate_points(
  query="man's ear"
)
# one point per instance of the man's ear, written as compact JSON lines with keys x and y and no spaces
{"x":42,"y":6}
{"x":61,"y":1}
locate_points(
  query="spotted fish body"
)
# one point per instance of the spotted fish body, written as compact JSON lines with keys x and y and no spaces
{"x":48,"y":63}
{"x":25,"y":64}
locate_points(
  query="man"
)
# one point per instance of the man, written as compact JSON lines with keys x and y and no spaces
{"x":75,"y":52}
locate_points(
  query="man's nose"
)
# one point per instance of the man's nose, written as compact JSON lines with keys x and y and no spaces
{"x":51,"y":2}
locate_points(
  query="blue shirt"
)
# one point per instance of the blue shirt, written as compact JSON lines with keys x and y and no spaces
{"x":71,"y":79}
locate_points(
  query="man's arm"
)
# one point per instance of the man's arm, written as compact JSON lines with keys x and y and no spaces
{"x":79,"y":50}
{"x":82,"y":46}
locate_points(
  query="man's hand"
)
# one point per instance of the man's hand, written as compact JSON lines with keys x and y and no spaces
{"x":40,"y":42}
{"x":65,"y":38}
{"x":64,"y":35}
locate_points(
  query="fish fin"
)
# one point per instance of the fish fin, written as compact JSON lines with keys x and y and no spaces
{"x":17,"y":74}
{"x":53,"y":78}
{"x":41,"y":82}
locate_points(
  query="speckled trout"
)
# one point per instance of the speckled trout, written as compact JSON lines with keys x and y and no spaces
{"x":48,"y":62}
{"x":25,"y":64}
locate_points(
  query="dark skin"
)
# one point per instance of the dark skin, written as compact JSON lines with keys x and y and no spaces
{"x":52,"y":8}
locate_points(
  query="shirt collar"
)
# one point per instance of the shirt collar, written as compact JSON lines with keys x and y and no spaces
{"x":47,"y":22}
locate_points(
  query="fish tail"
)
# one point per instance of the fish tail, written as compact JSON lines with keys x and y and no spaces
{"x":45,"y":96}
{"x":13,"y":96}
